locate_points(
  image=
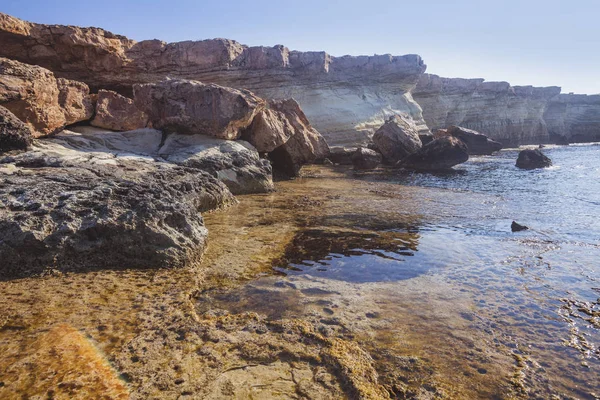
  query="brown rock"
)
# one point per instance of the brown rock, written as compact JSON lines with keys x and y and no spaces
{"x":118,"y":113}
{"x":365,"y":159}
{"x":442,"y":153}
{"x":305,"y":146}
{"x":14,"y":134}
{"x":37,"y":98}
{"x":477,"y":143}
{"x":397,"y":138}
{"x":192,"y":107}
{"x":270,"y":129}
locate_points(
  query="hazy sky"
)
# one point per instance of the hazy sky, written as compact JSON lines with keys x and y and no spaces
{"x":525,"y":42}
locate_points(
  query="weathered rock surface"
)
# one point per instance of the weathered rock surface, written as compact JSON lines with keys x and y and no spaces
{"x":14,"y":134}
{"x":118,"y":113}
{"x":365,"y":159}
{"x":440,"y":154}
{"x":532,"y":159}
{"x":477,"y":143}
{"x":192,"y":107}
{"x":44,"y":103}
{"x":270,"y":128}
{"x":65,"y":209}
{"x":346,"y":98}
{"x":397,"y":139}
{"x":573,"y":118}
{"x":341,"y":155}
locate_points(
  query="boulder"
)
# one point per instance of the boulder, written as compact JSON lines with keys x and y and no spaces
{"x":270,"y":129}
{"x":516,"y":227}
{"x":118,"y":113}
{"x":70,"y":210}
{"x":441,"y":154}
{"x":532,"y":159}
{"x":477,"y":143}
{"x":305,"y":146}
{"x":341,"y":155}
{"x":365,"y":159}
{"x":37,"y":98}
{"x":397,"y":139}
{"x":14,"y":134}
{"x":191,"y":107}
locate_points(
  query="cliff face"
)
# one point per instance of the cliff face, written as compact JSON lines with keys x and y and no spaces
{"x":512,"y":115}
{"x":346,"y":98}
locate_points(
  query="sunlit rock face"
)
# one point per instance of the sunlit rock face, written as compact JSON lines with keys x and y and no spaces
{"x":346,"y":98}
{"x":575,"y":117}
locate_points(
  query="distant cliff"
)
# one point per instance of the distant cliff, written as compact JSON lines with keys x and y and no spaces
{"x":510,"y":114}
{"x":346,"y":98}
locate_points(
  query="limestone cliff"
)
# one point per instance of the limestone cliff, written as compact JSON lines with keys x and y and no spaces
{"x":346,"y":98}
{"x":512,"y":115}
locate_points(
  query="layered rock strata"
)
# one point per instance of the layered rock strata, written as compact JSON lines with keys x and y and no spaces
{"x":512,"y":115}
{"x":346,"y":98}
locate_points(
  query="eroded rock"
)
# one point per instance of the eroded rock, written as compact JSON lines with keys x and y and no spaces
{"x":441,"y":154}
{"x":477,"y":143}
{"x":14,"y":134}
{"x":365,"y":159}
{"x":532,"y":159}
{"x":118,"y":113}
{"x":397,"y":139}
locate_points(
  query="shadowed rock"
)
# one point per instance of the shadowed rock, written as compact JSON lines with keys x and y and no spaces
{"x":516,"y":227}
{"x":14,"y":134}
{"x":397,"y":139}
{"x":441,"y":154}
{"x":365,"y":159}
{"x":477,"y":143}
{"x":532,"y":159}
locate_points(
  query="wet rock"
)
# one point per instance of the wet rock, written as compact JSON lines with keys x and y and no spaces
{"x":118,"y":113}
{"x":71,"y":210}
{"x":532,"y":159}
{"x":37,"y":98}
{"x":305,"y":146}
{"x":477,"y":143}
{"x":14,"y":134}
{"x":192,"y":107}
{"x":397,"y":138}
{"x":341,"y":155}
{"x":365,"y":159}
{"x":441,"y":154}
{"x":516,"y":227}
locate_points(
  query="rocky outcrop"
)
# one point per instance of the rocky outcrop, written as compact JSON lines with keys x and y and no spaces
{"x":509,"y":114}
{"x":365,"y":159}
{"x":477,"y":143}
{"x":70,"y":210}
{"x":14,"y":134}
{"x":397,"y":139}
{"x":44,"y":103}
{"x":346,"y":98}
{"x":118,"y":113}
{"x":192,"y":107}
{"x":573,"y":118}
{"x":532,"y":159}
{"x":440,"y":154}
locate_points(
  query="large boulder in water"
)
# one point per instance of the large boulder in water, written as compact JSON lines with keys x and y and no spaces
{"x":118,"y":113}
{"x":397,"y":139}
{"x":440,"y":154}
{"x":42,"y":102}
{"x":191,"y":107}
{"x":477,"y":143}
{"x":532,"y":159}
{"x":365,"y":159}
{"x":14,"y":134}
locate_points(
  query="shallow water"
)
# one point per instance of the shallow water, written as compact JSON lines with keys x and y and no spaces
{"x":425,"y":266}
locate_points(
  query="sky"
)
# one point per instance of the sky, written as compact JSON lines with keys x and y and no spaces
{"x":526,"y":42}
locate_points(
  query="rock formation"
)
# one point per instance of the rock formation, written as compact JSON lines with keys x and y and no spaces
{"x":365,"y":159}
{"x":14,"y":134}
{"x":532,"y":159}
{"x":44,"y":103}
{"x":477,"y":143}
{"x":512,"y":115}
{"x":118,"y":113}
{"x":397,"y":139}
{"x":440,"y":154}
{"x":346,"y":98}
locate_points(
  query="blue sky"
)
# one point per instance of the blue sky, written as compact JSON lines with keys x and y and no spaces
{"x":537,"y":42}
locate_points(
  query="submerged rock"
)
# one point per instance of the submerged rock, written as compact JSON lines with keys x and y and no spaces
{"x":397,"y":139}
{"x":477,"y":143}
{"x":14,"y":134}
{"x":118,"y":113}
{"x":365,"y":159}
{"x":532,"y":159}
{"x":41,"y":101}
{"x":516,"y":227}
{"x":441,"y":154}
{"x":192,"y":107}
